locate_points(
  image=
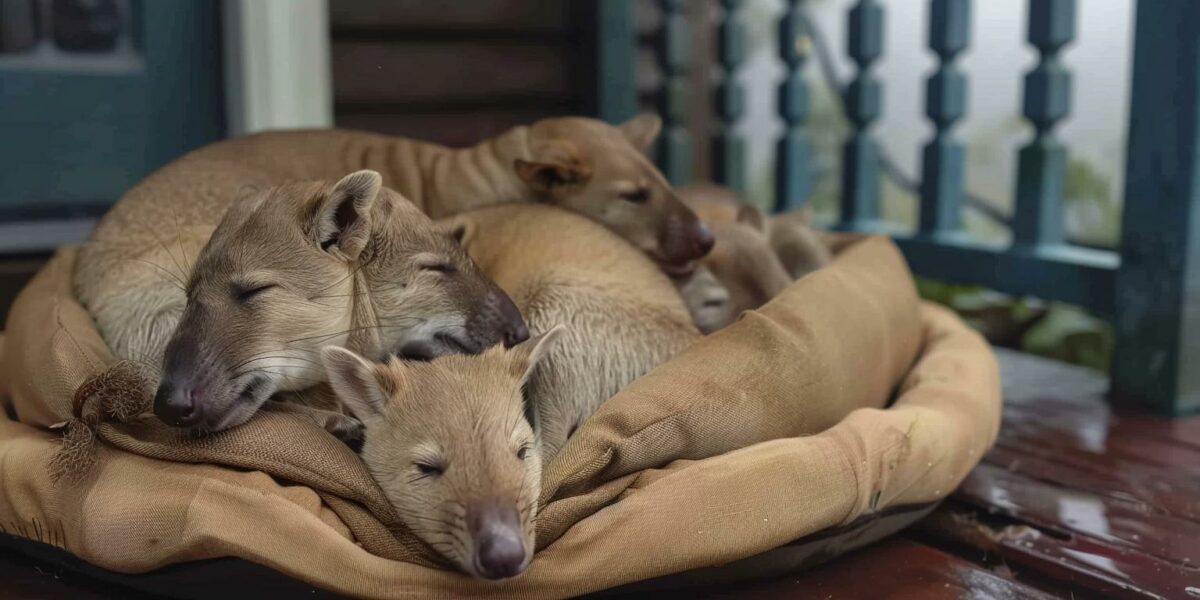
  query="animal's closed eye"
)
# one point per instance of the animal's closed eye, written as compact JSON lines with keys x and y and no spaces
{"x":439,"y":267}
{"x":523,"y":452}
{"x":245,"y":294}
{"x":638,"y":196}
{"x":429,"y":470}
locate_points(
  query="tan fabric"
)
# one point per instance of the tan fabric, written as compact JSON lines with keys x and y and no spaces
{"x":763,"y":433}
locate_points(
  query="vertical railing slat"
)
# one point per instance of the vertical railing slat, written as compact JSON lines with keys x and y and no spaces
{"x":729,"y":154}
{"x":1042,"y":164}
{"x":675,"y":145}
{"x":793,"y":152}
{"x":1157,"y":362}
{"x":942,"y":180}
{"x":615,"y":83}
{"x":860,"y":161}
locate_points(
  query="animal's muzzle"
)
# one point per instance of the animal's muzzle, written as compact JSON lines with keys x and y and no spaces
{"x":181,"y":397}
{"x":500,"y":549}
{"x":498,"y":321}
{"x":703,"y":240}
{"x":684,"y":240}
{"x":178,"y":405}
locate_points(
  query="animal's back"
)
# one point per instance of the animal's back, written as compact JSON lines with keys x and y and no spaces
{"x":623,"y":315}
{"x":131,"y":272}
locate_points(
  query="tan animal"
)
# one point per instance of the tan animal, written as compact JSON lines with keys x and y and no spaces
{"x":622,"y":314}
{"x":707,"y":299}
{"x":296,"y":267}
{"x":799,"y":247}
{"x":742,"y":261}
{"x":449,"y":444}
{"x":131,"y":273}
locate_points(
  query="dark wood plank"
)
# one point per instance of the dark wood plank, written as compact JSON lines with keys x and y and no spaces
{"x":1102,"y":501}
{"x":467,"y":17}
{"x":1116,"y":480}
{"x":436,"y":72}
{"x":896,"y":569}
{"x":1082,"y":564}
{"x":1107,"y":518}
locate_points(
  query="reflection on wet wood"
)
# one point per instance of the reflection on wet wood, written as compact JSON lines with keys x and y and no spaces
{"x":897,"y":569}
{"x":1104,"y":502}
{"x":1075,"y":500}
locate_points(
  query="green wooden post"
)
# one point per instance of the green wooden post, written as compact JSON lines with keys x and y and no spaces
{"x":729,"y":154}
{"x":942,"y":180}
{"x":793,"y":178}
{"x":675,"y":145}
{"x":1042,"y":164}
{"x":860,"y":157}
{"x":1157,"y":362}
{"x":615,"y":84}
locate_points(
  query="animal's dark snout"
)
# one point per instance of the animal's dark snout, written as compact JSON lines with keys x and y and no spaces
{"x":178,"y":405}
{"x":180,"y":399}
{"x":514,"y":330}
{"x":500,"y":550}
{"x":684,"y":238}
{"x":703,"y":240}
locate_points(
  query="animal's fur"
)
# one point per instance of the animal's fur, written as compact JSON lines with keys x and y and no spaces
{"x":292,"y":268}
{"x":799,"y":247}
{"x":449,"y":444}
{"x":130,"y":272}
{"x":707,"y":299}
{"x":742,"y":261}
{"x":621,"y":313}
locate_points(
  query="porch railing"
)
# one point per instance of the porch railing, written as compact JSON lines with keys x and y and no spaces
{"x":1149,"y":289}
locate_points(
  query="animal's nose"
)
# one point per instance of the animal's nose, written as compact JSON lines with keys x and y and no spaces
{"x":514,"y":328}
{"x":499,"y":547}
{"x":177,"y":406}
{"x":704,"y":239}
{"x":516,"y":335}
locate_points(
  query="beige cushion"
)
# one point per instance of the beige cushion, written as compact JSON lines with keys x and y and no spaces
{"x":765,"y":432}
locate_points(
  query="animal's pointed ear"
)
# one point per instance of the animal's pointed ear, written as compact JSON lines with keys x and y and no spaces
{"x":749,"y":214}
{"x":553,"y":165}
{"x":353,"y":380}
{"x":526,"y":355}
{"x":547,"y":176}
{"x":342,"y":219}
{"x":642,"y":130}
{"x":461,"y":230}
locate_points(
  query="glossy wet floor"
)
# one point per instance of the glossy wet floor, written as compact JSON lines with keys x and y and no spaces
{"x":1075,"y":500}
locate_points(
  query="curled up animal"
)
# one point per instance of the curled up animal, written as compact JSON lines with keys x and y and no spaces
{"x":449,"y":443}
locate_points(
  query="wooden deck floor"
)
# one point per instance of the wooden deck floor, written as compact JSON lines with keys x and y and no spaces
{"x":1074,"y":501}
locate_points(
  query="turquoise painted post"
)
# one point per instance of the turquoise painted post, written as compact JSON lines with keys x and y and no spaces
{"x":675,"y":146}
{"x":945,"y":102}
{"x":1157,"y":363}
{"x":729,"y":156}
{"x":615,"y":84}
{"x":860,"y":161}
{"x":1042,"y":164}
{"x":793,"y":152}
